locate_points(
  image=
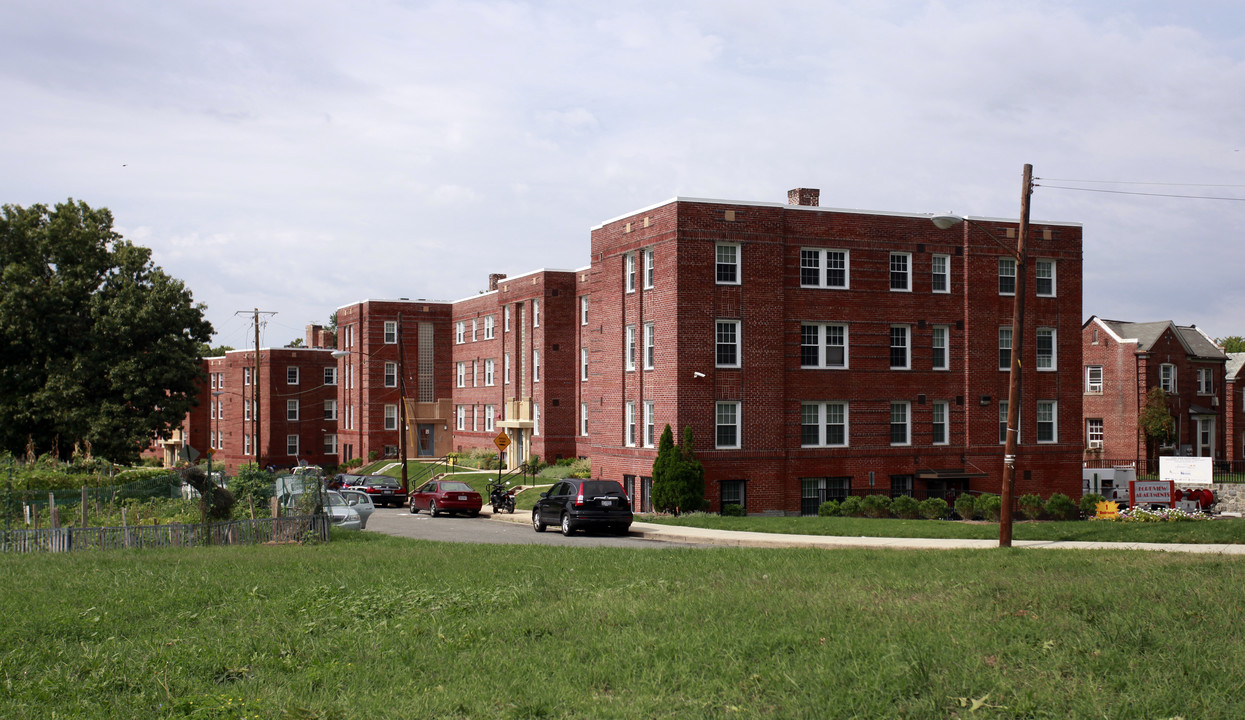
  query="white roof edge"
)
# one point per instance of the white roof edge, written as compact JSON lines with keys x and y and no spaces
{"x":393,"y":300}
{"x":509,"y":278}
{"x":1112,"y":333}
{"x":810,"y":208}
{"x":268,"y":349}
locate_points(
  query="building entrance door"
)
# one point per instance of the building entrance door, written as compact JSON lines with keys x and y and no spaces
{"x":425,"y":439}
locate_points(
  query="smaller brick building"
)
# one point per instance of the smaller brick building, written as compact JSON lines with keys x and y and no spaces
{"x":1123,"y":361}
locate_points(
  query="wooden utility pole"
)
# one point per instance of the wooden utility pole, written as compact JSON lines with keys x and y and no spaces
{"x":1014,"y":387}
{"x":256,"y":425}
{"x":403,"y":418}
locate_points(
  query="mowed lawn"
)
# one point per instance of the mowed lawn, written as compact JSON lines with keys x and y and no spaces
{"x":369,"y":626}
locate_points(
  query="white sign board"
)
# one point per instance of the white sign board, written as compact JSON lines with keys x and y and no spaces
{"x":1144,"y":492}
{"x":1186,"y":471}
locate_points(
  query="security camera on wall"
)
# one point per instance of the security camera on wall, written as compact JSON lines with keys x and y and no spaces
{"x":698,"y":374}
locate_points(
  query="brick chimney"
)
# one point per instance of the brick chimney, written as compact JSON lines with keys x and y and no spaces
{"x":317,"y":337}
{"x":804,"y":196}
{"x":495,"y":278}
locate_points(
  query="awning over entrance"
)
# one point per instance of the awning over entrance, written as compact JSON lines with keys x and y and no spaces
{"x":948,"y":474}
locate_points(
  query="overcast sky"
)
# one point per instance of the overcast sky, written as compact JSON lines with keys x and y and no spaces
{"x":299,"y":156}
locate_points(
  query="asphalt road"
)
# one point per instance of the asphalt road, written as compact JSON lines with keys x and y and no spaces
{"x":483,"y":529}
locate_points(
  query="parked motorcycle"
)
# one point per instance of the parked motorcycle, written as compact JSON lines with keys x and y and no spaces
{"x":501,"y":497}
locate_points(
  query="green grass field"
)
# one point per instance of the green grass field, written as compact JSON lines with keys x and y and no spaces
{"x":369,"y":626}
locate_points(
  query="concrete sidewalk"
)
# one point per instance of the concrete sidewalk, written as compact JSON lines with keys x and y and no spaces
{"x":729,"y":538}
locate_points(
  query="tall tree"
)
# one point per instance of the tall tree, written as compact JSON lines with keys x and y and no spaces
{"x":1156,"y":421}
{"x":98,"y":346}
{"x":665,"y":494}
{"x":678,"y":477}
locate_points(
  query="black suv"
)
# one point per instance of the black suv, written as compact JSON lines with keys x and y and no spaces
{"x":582,"y":504}
{"x":383,"y":489}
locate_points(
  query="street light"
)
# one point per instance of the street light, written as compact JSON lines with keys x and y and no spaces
{"x":942,"y":222}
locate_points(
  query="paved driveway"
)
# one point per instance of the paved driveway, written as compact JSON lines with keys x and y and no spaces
{"x":505,"y":530}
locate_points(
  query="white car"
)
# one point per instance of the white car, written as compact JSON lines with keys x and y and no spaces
{"x":361,"y":503}
{"x":340,"y":513}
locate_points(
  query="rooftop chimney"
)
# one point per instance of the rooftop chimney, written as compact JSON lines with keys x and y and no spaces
{"x":495,"y":278}
{"x":804,"y":196}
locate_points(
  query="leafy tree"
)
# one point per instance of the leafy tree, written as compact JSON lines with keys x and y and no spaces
{"x":1231,"y":343}
{"x":296,"y":342}
{"x":207,"y":351}
{"x":664,"y":492}
{"x":678,"y":477}
{"x":1156,"y":421}
{"x":331,"y":329}
{"x":98,"y":347}
{"x":692,"y":474}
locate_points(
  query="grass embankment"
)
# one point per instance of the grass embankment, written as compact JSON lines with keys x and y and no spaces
{"x":1218,"y":531}
{"x":471,"y":631}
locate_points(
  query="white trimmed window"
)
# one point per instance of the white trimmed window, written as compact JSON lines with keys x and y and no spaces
{"x":1093,"y":379}
{"x":246,"y":376}
{"x":330,"y":444}
{"x":291,"y":376}
{"x":583,"y":363}
{"x":650,"y":348}
{"x":291,"y":410}
{"x":488,"y":418}
{"x":727,"y":343}
{"x":506,"y":317}
{"x":460,"y":376}
{"x":1167,"y":377}
{"x":1047,"y":421}
{"x":649,"y":408}
{"x":823,"y":346}
{"x":823,"y":424}
{"x":488,"y":327}
{"x":1045,"y":272}
{"x":630,"y":359}
{"x":1007,"y":276}
{"x":330,"y":410}
{"x":1003,"y":424}
{"x":291,"y":445}
{"x":391,"y":417}
{"x":629,"y":423}
{"x":940,"y":273}
{"x":460,"y":417}
{"x":940,"y":344}
{"x":901,"y":422}
{"x":648,"y":269}
{"x":1093,"y":433}
{"x":726,"y":424}
{"x":506,"y":368}
{"x":938,"y":422}
{"x":330,"y":376}
{"x":1005,"y":348}
{"x":583,"y":419}
{"x":391,"y":332}
{"x":535,"y":419}
{"x":475,"y":329}
{"x":901,"y":348}
{"x":246,"y":444}
{"x":824,"y":268}
{"x":535,"y":313}
{"x":901,"y":272}
{"x":459,"y":332}
{"x":1046,"y":349}
{"x":489,"y":369}
{"x":535,"y":366}
{"x":583,"y":309}
{"x":391,"y":374}
{"x":629,"y":271}
{"x":1205,"y":382}
{"x":727,"y":272}
{"x":475,"y":373}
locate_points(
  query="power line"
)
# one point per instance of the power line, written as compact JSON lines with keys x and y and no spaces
{"x":1129,"y":192}
{"x":1131,"y":182}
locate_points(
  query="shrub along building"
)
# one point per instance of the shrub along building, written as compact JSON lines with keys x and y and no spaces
{"x":1124,"y":362}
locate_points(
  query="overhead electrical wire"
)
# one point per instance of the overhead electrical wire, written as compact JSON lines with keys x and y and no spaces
{"x":1134,"y":192}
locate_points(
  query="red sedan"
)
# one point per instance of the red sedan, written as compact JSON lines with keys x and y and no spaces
{"x":449,"y":496}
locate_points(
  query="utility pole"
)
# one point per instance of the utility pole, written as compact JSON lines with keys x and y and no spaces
{"x":1014,"y":387}
{"x":403,"y":417}
{"x":256,"y":425}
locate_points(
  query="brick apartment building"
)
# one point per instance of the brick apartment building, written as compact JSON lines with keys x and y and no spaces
{"x":1234,"y":409}
{"x":1124,"y":361}
{"x":817,"y":353}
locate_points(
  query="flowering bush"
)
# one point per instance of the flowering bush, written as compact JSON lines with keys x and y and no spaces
{"x":1140,"y":514}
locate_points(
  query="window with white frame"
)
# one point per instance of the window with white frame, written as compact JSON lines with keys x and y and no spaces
{"x":460,"y":374}
{"x":1007,"y":276}
{"x":391,"y":332}
{"x":1046,"y":349}
{"x":583,"y":419}
{"x":583,"y":309}
{"x":1167,"y":377}
{"x":330,"y":410}
{"x":246,"y":410}
{"x":727,"y":343}
{"x":391,"y":417}
{"x":212,"y":413}
{"x":391,"y":374}
{"x":475,"y":418}
{"x":727,"y":272}
{"x":901,"y":422}
{"x":629,"y":271}
{"x":291,"y":376}
{"x":901,"y":348}
{"x":460,"y":417}
{"x":475,"y":373}
{"x":1093,"y":433}
{"x":475,"y":329}
{"x":649,"y":427}
{"x":220,"y":440}
{"x":1003,"y":423}
{"x":940,"y":273}
{"x":648,"y":269}
{"x":938,"y":422}
{"x":330,"y":376}
{"x":213,"y":376}
{"x":650,"y":348}
{"x":535,"y":418}
{"x":1005,"y":348}
{"x":630,"y":358}
{"x":727,"y":426}
{"x":1047,"y":423}
{"x":629,"y":424}
{"x":489,"y":418}
{"x":220,"y":409}
{"x":246,"y":376}
{"x":291,"y":445}
{"x":506,"y":368}
{"x":823,"y":345}
{"x":1093,"y":379}
{"x":330,"y":444}
{"x":1205,"y":382}
{"x":535,"y":366}
{"x":460,"y":331}
{"x":940,"y":343}
{"x":535,"y":313}
{"x":824,"y":268}
{"x":488,"y":327}
{"x":823,"y":424}
{"x":489,"y":368}
{"x":901,"y":272}
{"x":291,"y":410}
{"x":506,"y":317}
{"x":1044,"y":270}
{"x":583,"y":363}
{"x":246,"y":444}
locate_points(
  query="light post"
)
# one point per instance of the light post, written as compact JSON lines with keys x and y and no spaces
{"x":1018,"y":315}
